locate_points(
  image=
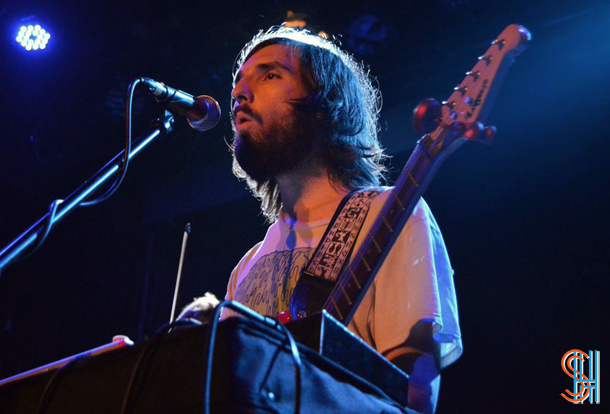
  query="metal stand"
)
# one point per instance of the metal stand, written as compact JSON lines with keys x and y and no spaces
{"x":20,"y":245}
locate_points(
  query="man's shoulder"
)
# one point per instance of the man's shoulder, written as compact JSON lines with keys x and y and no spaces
{"x":247,"y":257}
{"x":272,"y":233}
{"x":250,"y":253}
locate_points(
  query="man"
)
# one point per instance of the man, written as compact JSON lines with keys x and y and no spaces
{"x":305,"y":120}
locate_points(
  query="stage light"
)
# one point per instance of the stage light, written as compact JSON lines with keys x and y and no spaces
{"x":33,"y":37}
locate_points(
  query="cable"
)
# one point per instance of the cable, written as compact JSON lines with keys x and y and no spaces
{"x":296,"y":357}
{"x":148,"y":351}
{"x":209,"y":349}
{"x":210,"y":353}
{"x":48,"y":223}
{"x":125,"y":162}
{"x":253,"y":315}
{"x":52,"y":383}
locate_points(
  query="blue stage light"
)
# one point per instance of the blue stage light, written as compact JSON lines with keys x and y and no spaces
{"x":33,"y":37}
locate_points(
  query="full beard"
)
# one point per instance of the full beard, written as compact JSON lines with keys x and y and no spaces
{"x":277,"y":149}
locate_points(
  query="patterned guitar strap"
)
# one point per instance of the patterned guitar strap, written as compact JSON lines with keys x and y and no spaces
{"x":324,"y":267}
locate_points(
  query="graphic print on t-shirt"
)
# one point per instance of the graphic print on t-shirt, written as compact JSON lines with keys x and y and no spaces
{"x":268,"y":287}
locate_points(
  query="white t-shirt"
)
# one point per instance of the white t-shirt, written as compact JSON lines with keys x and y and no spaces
{"x":414,"y":283}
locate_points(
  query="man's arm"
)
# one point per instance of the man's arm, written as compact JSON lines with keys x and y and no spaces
{"x":419,"y":357}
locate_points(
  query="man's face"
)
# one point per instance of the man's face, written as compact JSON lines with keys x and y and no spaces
{"x":270,"y":138}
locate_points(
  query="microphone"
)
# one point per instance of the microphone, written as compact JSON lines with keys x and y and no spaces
{"x":202,"y":112}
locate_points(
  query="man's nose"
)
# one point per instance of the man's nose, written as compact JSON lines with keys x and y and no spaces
{"x":241,"y":92}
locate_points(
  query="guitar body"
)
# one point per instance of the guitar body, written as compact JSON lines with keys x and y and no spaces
{"x":309,"y":296}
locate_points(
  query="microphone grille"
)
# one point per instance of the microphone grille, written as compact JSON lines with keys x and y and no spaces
{"x":212,"y":116}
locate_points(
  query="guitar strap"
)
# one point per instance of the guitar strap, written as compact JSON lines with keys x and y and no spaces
{"x":338,"y":240}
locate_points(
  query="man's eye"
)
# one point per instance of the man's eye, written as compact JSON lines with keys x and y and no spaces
{"x":271,"y":76}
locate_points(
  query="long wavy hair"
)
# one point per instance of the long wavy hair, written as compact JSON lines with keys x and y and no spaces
{"x":345,"y":106}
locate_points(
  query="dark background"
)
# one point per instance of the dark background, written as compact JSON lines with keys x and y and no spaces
{"x":525,"y":220}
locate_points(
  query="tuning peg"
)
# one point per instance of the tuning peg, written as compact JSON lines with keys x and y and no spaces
{"x":500,"y":43}
{"x":427,"y":115}
{"x":474,"y":73}
{"x":486,"y":58}
{"x":488,"y":135}
{"x":472,"y":131}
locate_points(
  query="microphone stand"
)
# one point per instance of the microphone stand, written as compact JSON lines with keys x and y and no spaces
{"x":160,"y":127}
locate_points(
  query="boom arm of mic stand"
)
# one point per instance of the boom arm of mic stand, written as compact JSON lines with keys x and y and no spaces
{"x":17,"y":247}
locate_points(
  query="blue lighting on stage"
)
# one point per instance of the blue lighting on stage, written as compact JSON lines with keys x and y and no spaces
{"x":33,"y":37}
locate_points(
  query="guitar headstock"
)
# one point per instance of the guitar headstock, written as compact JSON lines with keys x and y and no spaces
{"x":470,"y":103}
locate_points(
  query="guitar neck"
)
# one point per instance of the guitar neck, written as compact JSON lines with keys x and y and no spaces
{"x":355,"y":279}
{"x":459,"y":119}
